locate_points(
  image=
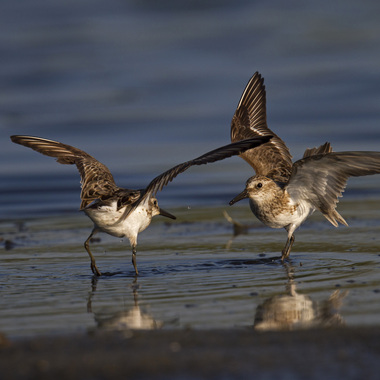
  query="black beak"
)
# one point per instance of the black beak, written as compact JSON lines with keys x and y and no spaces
{"x":167,"y":214}
{"x":242,"y":195}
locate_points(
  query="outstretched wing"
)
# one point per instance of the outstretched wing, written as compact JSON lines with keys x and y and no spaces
{"x":320,"y":179}
{"x":218,"y":154}
{"x":272,"y":159}
{"x":215,"y":155}
{"x":97,"y":181}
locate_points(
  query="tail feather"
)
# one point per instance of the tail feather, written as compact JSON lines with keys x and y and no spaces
{"x":334,"y":218}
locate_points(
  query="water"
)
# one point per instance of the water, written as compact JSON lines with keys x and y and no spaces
{"x":143,"y":87}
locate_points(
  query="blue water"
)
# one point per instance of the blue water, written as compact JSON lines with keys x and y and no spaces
{"x":144,"y":85}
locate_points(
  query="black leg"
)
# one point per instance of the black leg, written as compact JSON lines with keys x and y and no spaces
{"x":94,"y":268}
{"x":287,"y":248}
{"x":134,"y":259}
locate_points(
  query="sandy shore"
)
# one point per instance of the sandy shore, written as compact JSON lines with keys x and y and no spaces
{"x":349,"y":353}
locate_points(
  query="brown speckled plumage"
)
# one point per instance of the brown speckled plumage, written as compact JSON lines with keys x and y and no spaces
{"x":282,"y":193}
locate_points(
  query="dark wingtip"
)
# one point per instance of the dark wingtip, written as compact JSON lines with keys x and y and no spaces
{"x":16,"y":138}
{"x":255,"y":141}
{"x":267,"y":138}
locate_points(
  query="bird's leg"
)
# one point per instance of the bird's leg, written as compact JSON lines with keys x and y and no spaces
{"x":94,"y":268}
{"x":288,"y":247}
{"x":134,"y":259}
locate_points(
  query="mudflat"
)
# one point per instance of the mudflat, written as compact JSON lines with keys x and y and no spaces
{"x":192,"y":354}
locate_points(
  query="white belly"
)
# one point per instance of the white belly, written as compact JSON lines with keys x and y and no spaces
{"x":108,"y":219}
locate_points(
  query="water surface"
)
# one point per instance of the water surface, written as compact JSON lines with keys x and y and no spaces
{"x":193,"y":273}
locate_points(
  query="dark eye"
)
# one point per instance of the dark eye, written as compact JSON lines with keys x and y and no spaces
{"x":259,"y":185}
{"x":155,"y":202}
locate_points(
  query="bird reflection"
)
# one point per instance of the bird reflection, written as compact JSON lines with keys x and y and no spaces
{"x":238,"y":228}
{"x":124,"y":320}
{"x":291,"y":310}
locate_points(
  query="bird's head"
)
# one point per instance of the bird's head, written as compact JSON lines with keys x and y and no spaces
{"x":257,"y":188}
{"x":156,"y":210}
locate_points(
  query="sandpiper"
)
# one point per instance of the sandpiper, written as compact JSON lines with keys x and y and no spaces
{"x":117,"y":211}
{"x":285,"y":194}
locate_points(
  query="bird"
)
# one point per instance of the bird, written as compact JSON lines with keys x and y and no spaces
{"x":282,"y":193}
{"x":118,"y":211}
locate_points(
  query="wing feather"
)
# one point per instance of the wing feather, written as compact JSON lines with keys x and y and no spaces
{"x":215,"y":155}
{"x":272,"y":159}
{"x":218,"y":154}
{"x":323,"y":149}
{"x":321,"y":179}
{"x":96,"y":180}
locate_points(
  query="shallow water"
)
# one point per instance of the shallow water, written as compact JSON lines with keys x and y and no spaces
{"x":142,"y":88}
{"x":193,"y":274}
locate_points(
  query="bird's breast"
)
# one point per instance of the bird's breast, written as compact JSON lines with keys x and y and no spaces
{"x":112,"y":221}
{"x":279,"y":211}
